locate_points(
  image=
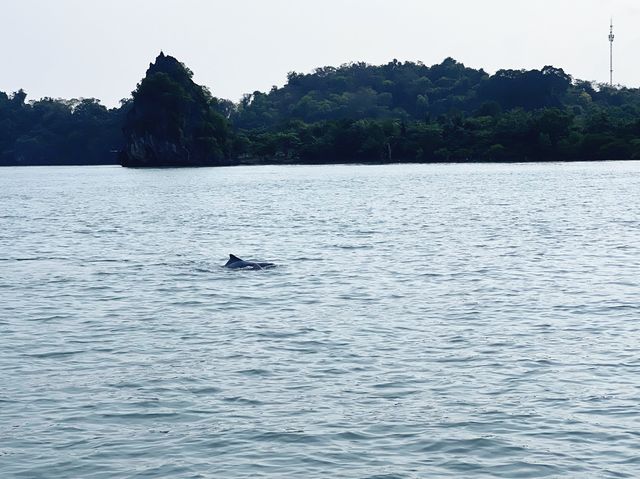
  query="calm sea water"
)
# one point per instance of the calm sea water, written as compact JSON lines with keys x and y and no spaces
{"x":424,"y":321}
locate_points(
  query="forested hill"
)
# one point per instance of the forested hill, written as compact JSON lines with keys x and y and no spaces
{"x":400,"y":111}
{"x":416,"y":92}
{"x":447,"y":112}
{"x":55,"y":131}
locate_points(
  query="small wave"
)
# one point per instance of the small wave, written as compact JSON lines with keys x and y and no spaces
{"x":36,"y":258}
{"x":54,"y":354}
{"x":244,"y":401}
{"x":206,"y":390}
{"x":352,"y":247}
{"x":254,"y":372}
{"x":140,"y":415}
{"x":287,"y":437}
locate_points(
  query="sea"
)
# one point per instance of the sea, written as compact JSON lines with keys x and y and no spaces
{"x":423,"y":321}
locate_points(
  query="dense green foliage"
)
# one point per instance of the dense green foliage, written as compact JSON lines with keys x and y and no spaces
{"x":353,"y":113}
{"x":174,"y":121}
{"x":51,"y":132}
{"x":447,"y":112}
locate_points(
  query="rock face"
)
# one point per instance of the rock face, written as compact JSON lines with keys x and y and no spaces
{"x":173,"y":121}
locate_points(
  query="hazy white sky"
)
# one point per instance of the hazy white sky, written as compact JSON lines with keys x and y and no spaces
{"x":101,"y":48}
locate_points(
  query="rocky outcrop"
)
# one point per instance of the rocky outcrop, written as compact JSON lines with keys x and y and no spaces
{"x":173,"y":121}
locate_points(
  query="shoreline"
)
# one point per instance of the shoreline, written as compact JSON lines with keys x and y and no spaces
{"x":336,"y":163}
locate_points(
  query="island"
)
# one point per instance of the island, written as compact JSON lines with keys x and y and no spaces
{"x":354,"y":113}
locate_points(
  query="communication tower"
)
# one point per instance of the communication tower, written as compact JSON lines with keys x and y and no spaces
{"x":611,"y":38}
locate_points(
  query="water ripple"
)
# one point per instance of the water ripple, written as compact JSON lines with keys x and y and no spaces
{"x":424,"y":321}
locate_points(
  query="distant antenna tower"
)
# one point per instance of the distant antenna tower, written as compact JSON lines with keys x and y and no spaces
{"x":611,"y":38}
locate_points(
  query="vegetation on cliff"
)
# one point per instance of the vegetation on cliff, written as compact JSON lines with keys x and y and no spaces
{"x":401,"y":111}
{"x":173,"y":121}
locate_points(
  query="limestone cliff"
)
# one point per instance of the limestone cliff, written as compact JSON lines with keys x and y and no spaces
{"x":173,"y":121}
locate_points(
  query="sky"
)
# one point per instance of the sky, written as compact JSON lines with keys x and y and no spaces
{"x":102,"y":48}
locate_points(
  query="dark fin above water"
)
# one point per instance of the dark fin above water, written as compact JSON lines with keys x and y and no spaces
{"x":232,"y":259}
{"x":237,"y":263}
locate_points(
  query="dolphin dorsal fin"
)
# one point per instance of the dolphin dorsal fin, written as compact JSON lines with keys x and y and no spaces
{"x":233,"y":258}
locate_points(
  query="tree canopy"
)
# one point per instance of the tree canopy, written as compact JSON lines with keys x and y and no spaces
{"x":447,"y":112}
{"x":400,"y":111}
{"x":50,"y":131}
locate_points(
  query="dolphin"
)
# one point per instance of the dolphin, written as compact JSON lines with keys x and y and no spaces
{"x":237,"y":263}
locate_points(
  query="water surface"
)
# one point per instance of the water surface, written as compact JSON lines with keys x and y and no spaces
{"x":424,"y":321}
